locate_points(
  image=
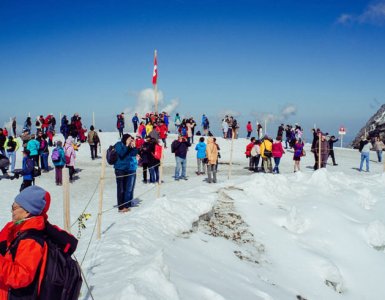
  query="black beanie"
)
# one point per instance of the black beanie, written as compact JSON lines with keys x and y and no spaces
{"x":125,"y":137}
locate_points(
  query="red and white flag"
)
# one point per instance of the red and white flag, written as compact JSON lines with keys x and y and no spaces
{"x":155,"y":73}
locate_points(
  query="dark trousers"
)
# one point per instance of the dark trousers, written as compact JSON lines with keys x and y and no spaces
{"x":120,"y":132}
{"x":315,"y":161}
{"x":135,"y":126}
{"x":125,"y":184}
{"x":276,"y":162}
{"x":44,"y":161}
{"x":59,"y":174}
{"x":145,"y":167}
{"x":94,"y":151}
{"x":4,"y":170}
{"x":71,"y":170}
{"x":154,"y":174}
{"x":254,"y":162}
{"x":331,"y":153}
{"x":25,"y":184}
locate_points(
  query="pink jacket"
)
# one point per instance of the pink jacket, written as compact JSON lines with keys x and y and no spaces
{"x":277,"y":150}
{"x":69,"y":151}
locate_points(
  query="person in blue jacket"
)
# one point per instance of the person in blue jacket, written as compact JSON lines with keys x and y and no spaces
{"x":27,"y":170}
{"x":201,"y":155}
{"x":135,"y":122}
{"x":59,"y":161}
{"x":34,"y":146}
{"x":125,"y":171}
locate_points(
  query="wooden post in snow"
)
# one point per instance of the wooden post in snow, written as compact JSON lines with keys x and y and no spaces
{"x":319,"y":150}
{"x":160,"y":175}
{"x":231,"y":154}
{"x":101,"y":191}
{"x":66,"y":200}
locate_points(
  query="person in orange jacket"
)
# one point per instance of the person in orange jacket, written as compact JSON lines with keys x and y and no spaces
{"x":19,"y":267}
{"x":23,"y":260}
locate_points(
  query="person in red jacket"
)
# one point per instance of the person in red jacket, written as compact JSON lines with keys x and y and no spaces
{"x":23,"y":260}
{"x":248,"y":152}
{"x":249,"y":129}
{"x":277,"y":152}
{"x":19,"y":267}
{"x":162,"y":129}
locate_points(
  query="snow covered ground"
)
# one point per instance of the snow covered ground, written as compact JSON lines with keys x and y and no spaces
{"x":310,"y":235}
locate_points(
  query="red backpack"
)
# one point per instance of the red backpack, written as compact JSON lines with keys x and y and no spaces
{"x":158,"y":152}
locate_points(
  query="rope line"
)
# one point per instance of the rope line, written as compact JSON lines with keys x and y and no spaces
{"x":117,"y":206}
{"x":89,"y":243}
{"x":120,"y":176}
{"x":84,"y":278}
{"x":88,"y":203}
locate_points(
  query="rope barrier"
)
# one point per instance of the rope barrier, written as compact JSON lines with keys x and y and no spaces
{"x":84,"y":278}
{"x":88,"y":203}
{"x":117,"y":206}
{"x":89,"y":244}
{"x":121,"y":176}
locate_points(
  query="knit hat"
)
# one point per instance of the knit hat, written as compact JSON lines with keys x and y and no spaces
{"x":32,"y":199}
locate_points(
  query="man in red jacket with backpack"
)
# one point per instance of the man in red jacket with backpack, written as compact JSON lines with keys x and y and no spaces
{"x":23,"y":255}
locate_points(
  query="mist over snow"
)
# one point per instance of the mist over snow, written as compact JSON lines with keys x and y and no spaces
{"x":305,"y":235}
{"x":146,"y":102}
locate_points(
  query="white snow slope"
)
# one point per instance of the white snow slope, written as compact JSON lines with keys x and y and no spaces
{"x":315,"y":235}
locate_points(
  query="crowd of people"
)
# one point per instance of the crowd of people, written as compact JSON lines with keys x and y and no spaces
{"x":149,"y":139}
{"x":36,"y":148}
{"x":142,"y":149}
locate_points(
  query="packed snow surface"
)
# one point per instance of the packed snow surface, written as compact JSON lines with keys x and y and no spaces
{"x":305,"y":235}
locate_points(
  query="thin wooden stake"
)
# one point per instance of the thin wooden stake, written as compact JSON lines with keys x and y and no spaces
{"x":319,"y":150}
{"x":160,"y":175}
{"x":66,"y":200}
{"x":231,"y":154}
{"x":101,"y":191}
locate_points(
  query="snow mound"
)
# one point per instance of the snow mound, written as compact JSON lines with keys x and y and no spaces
{"x":295,"y":222}
{"x":376,"y":235}
{"x":332,"y":276}
{"x":321,"y":179}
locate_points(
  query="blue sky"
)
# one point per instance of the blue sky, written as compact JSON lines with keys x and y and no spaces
{"x":325,"y":58}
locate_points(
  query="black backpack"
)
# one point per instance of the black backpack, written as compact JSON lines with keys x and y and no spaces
{"x":111,"y":155}
{"x":62,"y":278}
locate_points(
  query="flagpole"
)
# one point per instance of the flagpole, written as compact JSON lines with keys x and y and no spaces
{"x":155,"y":82}
{"x":156,"y":98}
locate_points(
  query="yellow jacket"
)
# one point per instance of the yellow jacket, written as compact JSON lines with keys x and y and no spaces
{"x":16,"y":140}
{"x":149,"y":128}
{"x":211,"y":152}
{"x":266,"y":144}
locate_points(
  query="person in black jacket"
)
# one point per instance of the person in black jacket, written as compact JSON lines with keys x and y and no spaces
{"x":332,"y":140}
{"x":3,"y":138}
{"x":180,"y":148}
{"x":145,"y":157}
